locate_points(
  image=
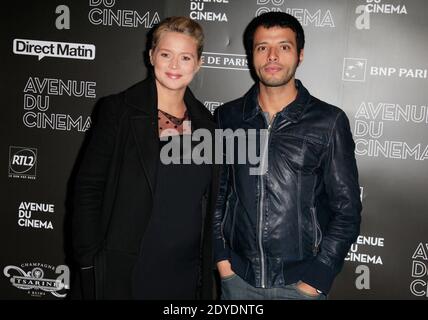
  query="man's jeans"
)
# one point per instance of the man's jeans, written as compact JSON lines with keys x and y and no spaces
{"x":235,"y":288}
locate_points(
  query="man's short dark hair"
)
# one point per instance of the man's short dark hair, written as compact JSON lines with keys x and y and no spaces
{"x":273,"y":19}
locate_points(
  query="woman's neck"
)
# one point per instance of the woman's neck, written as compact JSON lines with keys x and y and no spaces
{"x":171,"y":101}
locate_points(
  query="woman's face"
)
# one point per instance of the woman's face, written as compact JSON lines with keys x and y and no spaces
{"x":175,"y":60}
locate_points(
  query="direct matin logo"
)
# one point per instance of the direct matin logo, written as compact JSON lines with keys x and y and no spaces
{"x":22,"y":162}
{"x":54,"y":49}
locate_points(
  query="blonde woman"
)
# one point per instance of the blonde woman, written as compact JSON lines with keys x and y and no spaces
{"x":141,"y":227}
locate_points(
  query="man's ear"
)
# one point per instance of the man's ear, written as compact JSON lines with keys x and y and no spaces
{"x":301,"y":55}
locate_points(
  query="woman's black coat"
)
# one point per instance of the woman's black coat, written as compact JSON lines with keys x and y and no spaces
{"x":114,"y":191}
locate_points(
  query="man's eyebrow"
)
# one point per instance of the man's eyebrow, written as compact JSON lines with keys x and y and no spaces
{"x":281,"y":42}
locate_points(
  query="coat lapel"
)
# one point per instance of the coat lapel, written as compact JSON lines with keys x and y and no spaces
{"x":143,"y":97}
{"x":198,"y":114}
{"x":144,"y":123}
{"x":147,"y":146}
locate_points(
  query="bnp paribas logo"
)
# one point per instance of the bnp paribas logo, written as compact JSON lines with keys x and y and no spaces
{"x":38,"y":279}
{"x":354,"y":69}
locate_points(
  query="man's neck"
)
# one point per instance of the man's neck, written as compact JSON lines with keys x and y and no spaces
{"x":274,"y":99}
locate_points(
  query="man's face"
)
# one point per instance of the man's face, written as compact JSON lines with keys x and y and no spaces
{"x":275,"y":56}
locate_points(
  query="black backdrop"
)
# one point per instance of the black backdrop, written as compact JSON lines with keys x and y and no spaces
{"x":366,"y":56}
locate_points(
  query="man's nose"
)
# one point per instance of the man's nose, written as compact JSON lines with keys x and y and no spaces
{"x":272,"y":55}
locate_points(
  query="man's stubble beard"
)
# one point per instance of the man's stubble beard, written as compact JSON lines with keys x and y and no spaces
{"x":278,"y":82}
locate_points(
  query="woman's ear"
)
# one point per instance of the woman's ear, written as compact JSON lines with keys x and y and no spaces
{"x":151,"y":56}
{"x":200,"y":62}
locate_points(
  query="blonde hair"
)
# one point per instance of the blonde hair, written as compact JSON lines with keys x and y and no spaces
{"x":181,"y":25}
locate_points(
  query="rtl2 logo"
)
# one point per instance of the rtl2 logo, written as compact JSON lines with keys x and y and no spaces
{"x":22,"y":162}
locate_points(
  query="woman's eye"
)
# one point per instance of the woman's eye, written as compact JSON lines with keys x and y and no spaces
{"x":186,"y":58}
{"x":164,"y":55}
{"x":261,"y":48}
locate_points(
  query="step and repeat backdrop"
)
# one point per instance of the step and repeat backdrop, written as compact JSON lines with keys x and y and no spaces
{"x":59,"y":57}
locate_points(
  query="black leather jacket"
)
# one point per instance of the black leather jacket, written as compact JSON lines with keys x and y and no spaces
{"x":298,"y":220}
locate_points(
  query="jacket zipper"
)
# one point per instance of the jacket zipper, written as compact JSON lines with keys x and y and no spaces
{"x":316,"y":229}
{"x":233,"y":224}
{"x":223,"y":223}
{"x":261,"y":213}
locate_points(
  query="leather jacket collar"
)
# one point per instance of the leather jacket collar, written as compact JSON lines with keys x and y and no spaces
{"x":292,"y":112}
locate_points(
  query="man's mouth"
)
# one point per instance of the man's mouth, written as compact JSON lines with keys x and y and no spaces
{"x":272,"y":68}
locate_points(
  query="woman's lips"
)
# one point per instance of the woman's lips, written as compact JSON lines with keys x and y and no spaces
{"x":174,"y":76}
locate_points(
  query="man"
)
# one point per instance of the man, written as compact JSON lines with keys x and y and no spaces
{"x":284,"y":234}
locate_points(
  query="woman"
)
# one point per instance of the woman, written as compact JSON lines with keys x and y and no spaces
{"x":141,"y":226}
